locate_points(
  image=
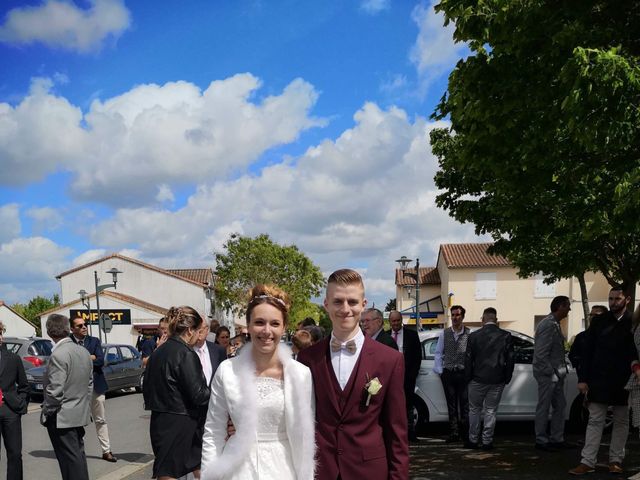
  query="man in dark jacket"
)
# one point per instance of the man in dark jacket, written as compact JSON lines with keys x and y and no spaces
{"x":609,"y":357}
{"x":488,"y":368}
{"x":373,"y":323}
{"x":98,"y":399}
{"x":15,"y":397}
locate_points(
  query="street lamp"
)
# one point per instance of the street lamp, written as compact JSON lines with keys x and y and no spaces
{"x":404,"y":261}
{"x":85,"y":302}
{"x":99,"y":288}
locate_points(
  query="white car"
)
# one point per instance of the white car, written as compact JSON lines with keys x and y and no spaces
{"x":519,"y":398}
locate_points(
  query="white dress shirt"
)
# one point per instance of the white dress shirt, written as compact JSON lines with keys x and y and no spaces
{"x":205,"y":360}
{"x":343,"y":362}
{"x":399,"y":338}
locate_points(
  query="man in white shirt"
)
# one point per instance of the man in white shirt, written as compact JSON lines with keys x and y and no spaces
{"x":210,"y":354}
{"x":361,"y":428}
{"x":449,"y":364}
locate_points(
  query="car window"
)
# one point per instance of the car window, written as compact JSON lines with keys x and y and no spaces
{"x":126,"y":352}
{"x":40,"y":347}
{"x":13,"y":347}
{"x":113,"y":356}
{"x":522,"y":350}
{"x":429,"y":348}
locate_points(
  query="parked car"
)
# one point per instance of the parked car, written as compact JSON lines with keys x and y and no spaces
{"x":34,"y":351}
{"x":122,"y":369}
{"x":519,"y":398}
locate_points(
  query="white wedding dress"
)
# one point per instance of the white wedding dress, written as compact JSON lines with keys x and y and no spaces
{"x":270,"y":458}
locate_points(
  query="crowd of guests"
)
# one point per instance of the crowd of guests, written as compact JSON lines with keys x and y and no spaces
{"x":251,"y":407}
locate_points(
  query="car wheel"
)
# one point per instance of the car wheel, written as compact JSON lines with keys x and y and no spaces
{"x":420,"y":415}
{"x":140,"y":383}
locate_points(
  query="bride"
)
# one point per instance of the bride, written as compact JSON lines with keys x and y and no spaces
{"x":269,"y":398}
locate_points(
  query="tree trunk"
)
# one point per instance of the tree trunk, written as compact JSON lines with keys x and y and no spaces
{"x":585,"y":299}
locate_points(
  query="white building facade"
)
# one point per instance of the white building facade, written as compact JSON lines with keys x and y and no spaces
{"x":14,"y":323}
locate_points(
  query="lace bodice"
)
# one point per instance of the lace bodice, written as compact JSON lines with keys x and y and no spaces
{"x":271,"y":422}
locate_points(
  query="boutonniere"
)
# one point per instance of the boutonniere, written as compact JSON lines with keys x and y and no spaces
{"x":372,"y":387}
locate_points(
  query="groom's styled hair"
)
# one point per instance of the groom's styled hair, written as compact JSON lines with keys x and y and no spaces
{"x":346,"y":276}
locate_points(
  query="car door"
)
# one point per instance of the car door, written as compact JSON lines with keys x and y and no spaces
{"x":113,"y":369}
{"x":520,"y":396}
{"x":428,"y":381}
{"x":129,"y":369}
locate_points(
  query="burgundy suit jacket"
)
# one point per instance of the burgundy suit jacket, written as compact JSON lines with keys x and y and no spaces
{"x":359,"y":441}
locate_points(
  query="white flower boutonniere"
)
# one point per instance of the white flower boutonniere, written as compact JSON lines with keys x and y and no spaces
{"x":372,"y":387}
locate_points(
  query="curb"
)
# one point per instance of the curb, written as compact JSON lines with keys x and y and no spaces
{"x":125,"y":471}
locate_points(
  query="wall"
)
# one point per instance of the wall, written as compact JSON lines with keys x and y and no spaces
{"x":16,"y":325}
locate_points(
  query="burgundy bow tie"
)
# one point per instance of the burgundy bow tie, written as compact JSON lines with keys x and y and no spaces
{"x":336,"y":345}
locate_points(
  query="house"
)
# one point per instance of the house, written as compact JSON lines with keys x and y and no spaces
{"x":141,"y":297}
{"x":466,"y":274}
{"x":16,"y":325}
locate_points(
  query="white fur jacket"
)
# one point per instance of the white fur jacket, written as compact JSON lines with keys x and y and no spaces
{"x":234,"y":395}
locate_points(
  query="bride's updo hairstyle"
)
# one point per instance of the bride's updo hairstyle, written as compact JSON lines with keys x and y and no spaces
{"x":272,"y":295}
{"x":181,"y":318}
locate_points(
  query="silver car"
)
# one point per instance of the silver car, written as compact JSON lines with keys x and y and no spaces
{"x":34,"y":351}
{"x":519,"y":398}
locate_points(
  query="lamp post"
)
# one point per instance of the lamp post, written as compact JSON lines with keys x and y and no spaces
{"x":404,"y":261}
{"x":99,"y":288}
{"x":85,"y":303}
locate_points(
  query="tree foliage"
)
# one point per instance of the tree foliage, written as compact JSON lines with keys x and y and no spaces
{"x":34,"y":307}
{"x":391,"y":305}
{"x":543,"y":148}
{"x":247,"y":261}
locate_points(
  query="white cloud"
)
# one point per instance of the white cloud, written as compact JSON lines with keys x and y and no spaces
{"x":434,"y":52}
{"x":365,"y":198}
{"x":373,"y":7}
{"x":45,"y":218}
{"x":10,"y":225}
{"x":61,"y":24}
{"x":124,"y":147}
{"x":31,"y":260}
{"x":164,"y":194}
{"x":89,"y":256}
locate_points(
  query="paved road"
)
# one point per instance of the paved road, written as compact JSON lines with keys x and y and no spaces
{"x":128,"y":429}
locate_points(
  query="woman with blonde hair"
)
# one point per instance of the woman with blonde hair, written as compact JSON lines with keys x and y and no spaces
{"x":176,"y":392}
{"x":269,"y":398}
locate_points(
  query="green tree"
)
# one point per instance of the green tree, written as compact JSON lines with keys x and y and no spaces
{"x":391,"y":305}
{"x":32,"y":309}
{"x":543,"y":149}
{"x":248,"y":261}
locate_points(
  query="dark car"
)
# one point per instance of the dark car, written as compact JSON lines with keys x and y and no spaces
{"x":122,"y":369}
{"x":34,"y":351}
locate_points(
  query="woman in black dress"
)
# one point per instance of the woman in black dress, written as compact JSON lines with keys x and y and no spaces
{"x":176,"y":392}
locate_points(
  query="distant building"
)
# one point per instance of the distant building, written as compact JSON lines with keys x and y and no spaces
{"x":16,"y":324}
{"x":143,"y":295}
{"x":468,"y":275}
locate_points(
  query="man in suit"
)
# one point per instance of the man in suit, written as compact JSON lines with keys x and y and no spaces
{"x":66,"y":405}
{"x":14,"y":388}
{"x":372,"y":324}
{"x":449,"y":364}
{"x":98,"y":400}
{"x":409,"y":345}
{"x":550,"y":370}
{"x":211,"y":354}
{"x":609,"y":357}
{"x":488,"y":368}
{"x":358,"y":384}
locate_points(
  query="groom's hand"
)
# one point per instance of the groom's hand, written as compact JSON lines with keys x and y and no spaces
{"x":231,"y":430}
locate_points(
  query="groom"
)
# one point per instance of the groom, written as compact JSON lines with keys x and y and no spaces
{"x":361,"y":429}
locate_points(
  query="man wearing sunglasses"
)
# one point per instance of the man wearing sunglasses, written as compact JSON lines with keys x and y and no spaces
{"x":93,"y":345}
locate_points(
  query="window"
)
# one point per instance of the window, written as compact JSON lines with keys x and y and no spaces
{"x":12,"y":347}
{"x":486,"y":286}
{"x":429,"y":348}
{"x":522,"y":350}
{"x":112,"y":355}
{"x":541,"y":289}
{"x":127,"y":354}
{"x":40,"y":347}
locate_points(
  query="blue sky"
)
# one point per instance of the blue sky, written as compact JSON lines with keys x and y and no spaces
{"x":157,"y":130}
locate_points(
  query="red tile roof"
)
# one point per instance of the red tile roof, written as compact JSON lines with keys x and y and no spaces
{"x":190,"y":278}
{"x":199,"y":275}
{"x":428,"y":276}
{"x":470,"y":255}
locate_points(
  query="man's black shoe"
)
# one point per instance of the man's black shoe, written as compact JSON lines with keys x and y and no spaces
{"x":488,"y":446}
{"x":546,"y":447}
{"x":471,"y":445}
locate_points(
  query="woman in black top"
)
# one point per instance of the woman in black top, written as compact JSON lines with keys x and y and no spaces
{"x":176,"y":392}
